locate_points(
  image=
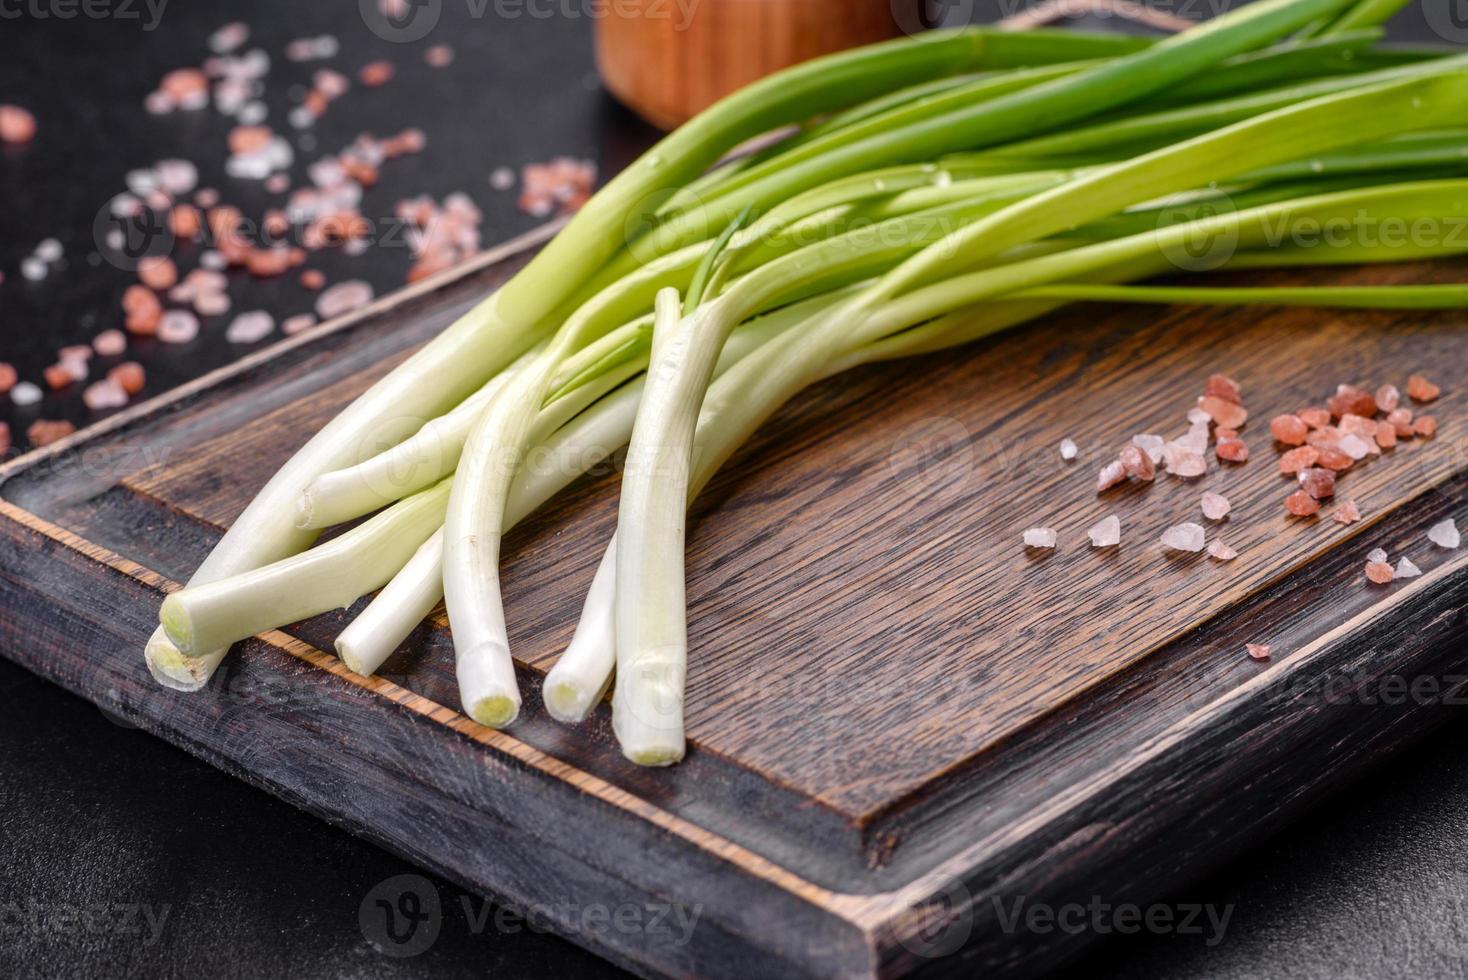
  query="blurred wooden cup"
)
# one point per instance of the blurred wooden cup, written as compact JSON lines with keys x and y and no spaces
{"x":669,"y":59}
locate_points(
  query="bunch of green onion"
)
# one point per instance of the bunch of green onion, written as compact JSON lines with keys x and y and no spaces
{"x":922,"y":193}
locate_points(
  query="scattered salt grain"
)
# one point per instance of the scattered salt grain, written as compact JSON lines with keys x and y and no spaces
{"x":1107,"y":533}
{"x":1040,"y":537}
{"x":1289,"y":429}
{"x":1258,"y":651}
{"x":1196,"y":416}
{"x":1388,"y":397}
{"x":1215,"y":506}
{"x":1301,"y":504}
{"x":229,"y":37}
{"x":1232,"y":451}
{"x":1315,"y":418}
{"x":502,"y":179}
{"x":248,"y":328}
{"x":1349,"y":400}
{"x":1230,"y":415}
{"x":293,"y":325}
{"x":178,"y":327}
{"x":1379,"y":572}
{"x":25,"y":393}
{"x":1376,"y":554}
{"x":1183,"y":537}
{"x":1137,"y":464}
{"x":43,"y":432}
{"x":439,"y":56}
{"x":1318,"y":482}
{"x":16,"y":124}
{"x":1220,"y":551}
{"x":1152,"y":445}
{"x":1354,"y":446}
{"x":1183,"y":462}
{"x":32,"y":268}
{"x":1419,"y":389}
{"x":1425,"y":426}
{"x":1111,"y":474}
{"x":49,"y":251}
{"x":343,"y":298}
{"x":104,"y":394}
{"x":1444,"y":534}
{"x":1346,"y":512}
{"x":1068,"y":449}
{"x":1405,"y":569}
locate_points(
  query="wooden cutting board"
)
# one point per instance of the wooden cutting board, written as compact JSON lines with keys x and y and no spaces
{"x":901,"y":722}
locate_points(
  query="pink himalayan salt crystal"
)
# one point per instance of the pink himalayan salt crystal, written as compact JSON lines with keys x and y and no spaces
{"x":1386,"y":435}
{"x":1230,"y":415}
{"x":1401,"y":420}
{"x":104,"y":394}
{"x":1358,"y":425}
{"x":1301,"y":504}
{"x":1232,"y":451}
{"x":1444,"y":534}
{"x":1289,"y":429}
{"x":1222,"y":386}
{"x":1224,"y":435}
{"x":1334,"y":459}
{"x":1040,"y":537}
{"x":1215,"y":506}
{"x":293,"y":325}
{"x":1151,"y":445}
{"x":1106,"y":533}
{"x":1185,"y":463}
{"x":1318,"y":482}
{"x":1315,"y":418}
{"x":1419,"y":389}
{"x":110,"y":343}
{"x":1220,"y":551}
{"x":1346,"y":512}
{"x":1296,"y":460}
{"x":1258,"y":651}
{"x":248,"y":328}
{"x":1388,"y":397}
{"x":1068,"y":449}
{"x":1196,"y":416}
{"x":1350,"y":400}
{"x":178,"y":327}
{"x":1425,"y":426}
{"x":1405,"y":569}
{"x":1380,"y":572}
{"x":1195,"y":440}
{"x":343,"y":298}
{"x":1137,"y":464}
{"x":1111,"y":474}
{"x":439,"y":56}
{"x":1183,"y":537}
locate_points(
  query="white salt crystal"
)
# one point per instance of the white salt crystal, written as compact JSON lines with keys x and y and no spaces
{"x":1221,"y":551}
{"x":103,"y":395}
{"x":502,"y":179}
{"x":247,"y":328}
{"x":1196,"y":440}
{"x":1183,"y":537}
{"x":1215,"y":506}
{"x":1354,"y":446}
{"x":33,"y":268}
{"x":49,"y":250}
{"x":343,"y":298}
{"x":1111,"y":474}
{"x":1040,"y":537}
{"x":1377,"y":554}
{"x":1444,"y":534}
{"x":1199,"y":417}
{"x":1405,"y":569}
{"x":1107,"y":533}
{"x":1151,"y":445}
{"x":177,"y":177}
{"x":25,"y":393}
{"x":1183,"y":462}
{"x":178,"y":327}
{"x":1068,"y":449}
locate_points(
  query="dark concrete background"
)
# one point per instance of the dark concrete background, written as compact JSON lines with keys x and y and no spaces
{"x":122,"y":856}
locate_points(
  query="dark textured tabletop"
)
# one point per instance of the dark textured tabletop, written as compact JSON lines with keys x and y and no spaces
{"x":122,"y":856}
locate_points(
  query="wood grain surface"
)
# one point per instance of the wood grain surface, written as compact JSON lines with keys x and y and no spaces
{"x":896,"y":712}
